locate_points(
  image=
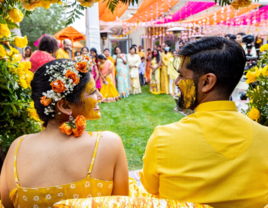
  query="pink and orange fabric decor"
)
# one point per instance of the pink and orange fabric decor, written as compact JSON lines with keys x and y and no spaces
{"x":191,"y":8}
{"x":107,"y":16}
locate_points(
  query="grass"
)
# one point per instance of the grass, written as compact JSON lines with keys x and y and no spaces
{"x":134,"y":119}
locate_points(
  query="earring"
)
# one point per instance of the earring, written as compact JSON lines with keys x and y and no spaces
{"x":59,"y":112}
{"x":71,"y":118}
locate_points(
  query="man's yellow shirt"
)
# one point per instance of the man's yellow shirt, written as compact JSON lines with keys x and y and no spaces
{"x":216,"y":156}
{"x":62,"y":54}
{"x":141,"y":54}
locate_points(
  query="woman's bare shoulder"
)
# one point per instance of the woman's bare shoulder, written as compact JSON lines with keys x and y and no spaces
{"x":110,"y":138}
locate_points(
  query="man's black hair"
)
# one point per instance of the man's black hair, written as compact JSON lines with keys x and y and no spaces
{"x":241,"y":33}
{"x":224,"y":58}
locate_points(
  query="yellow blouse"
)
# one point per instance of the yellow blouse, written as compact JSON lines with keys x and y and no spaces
{"x":215,"y":156}
{"x":23,"y":197}
{"x":165,"y":58}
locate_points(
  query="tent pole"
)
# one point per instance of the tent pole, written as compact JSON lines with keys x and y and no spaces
{"x":72,"y":47}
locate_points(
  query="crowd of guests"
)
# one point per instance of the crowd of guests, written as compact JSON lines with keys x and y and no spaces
{"x":117,"y":75}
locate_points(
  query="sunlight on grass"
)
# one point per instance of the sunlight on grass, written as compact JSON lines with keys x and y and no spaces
{"x":134,"y":119}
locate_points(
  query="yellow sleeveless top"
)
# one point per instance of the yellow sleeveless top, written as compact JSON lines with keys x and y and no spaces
{"x":23,"y":197}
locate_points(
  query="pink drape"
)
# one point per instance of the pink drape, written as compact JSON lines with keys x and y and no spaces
{"x":249,"y":18}
{"x":188,"y":10}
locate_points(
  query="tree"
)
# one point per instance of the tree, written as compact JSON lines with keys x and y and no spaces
{"x":43,"y":21}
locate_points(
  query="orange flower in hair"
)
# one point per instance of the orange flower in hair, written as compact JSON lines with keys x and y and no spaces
{"x":80,"y":122}
{"x":65,"y":128}
{"x":58,"y":86}
{"x":81,"y":66}
{"x":71,"y":75}
{"x":45,"y":101}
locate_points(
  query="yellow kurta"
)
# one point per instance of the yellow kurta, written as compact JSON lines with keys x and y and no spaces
{"x":216,"y":156}
{"x":62,"y":54}
{"x":155,"y":79}
{"x":173,"y":66}
{"x":164,"y":80}
{"x":141,"y":54}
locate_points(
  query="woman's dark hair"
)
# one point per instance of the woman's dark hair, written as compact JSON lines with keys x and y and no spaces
{"x":157,"y":56}
{"x":228,"y":35}
{"x":101,"y":57}
{"x":48,"y":43}
{"x":173,"y":51}
{"x":41,"y":84}
{"x":181,"y":41}
{"x":29,"y":48}
{"x":148,"y":49}
{"x":95,"y":51}
{"x":133,"y":47}
{"x":76,"y":53}
{"x":85,"y":48}
{"x":115,"y":49}
{"x":224,"y":58}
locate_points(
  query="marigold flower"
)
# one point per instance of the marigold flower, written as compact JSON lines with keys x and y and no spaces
{"x":2,"y":51}
{"x":21,"y":42}
{"x":4,"y":30}
{"x":77,"y":132}
{"x":264,"y":71}
{"x":65,"y":128}
{"x":17,"y":57}
{"x":58,"y":86}
{"x":16,"y":15}
{"x":23,"y":83}
{"x":71,"y":75}
{"x":251,"y":77}
{"x":254,"y":114}
{"x":45,"y":101}
{"x":81,"y":66}
{"x":264,"y":48}
{"x":80,"y":122}
{"x":13,"y":51}
{"x":45,"y":5}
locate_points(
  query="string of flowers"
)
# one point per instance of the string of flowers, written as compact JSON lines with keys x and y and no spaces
{"x":257,"y":78}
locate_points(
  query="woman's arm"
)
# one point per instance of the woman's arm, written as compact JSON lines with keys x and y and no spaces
{"x":121,"y":180}
{"x":124,"y":60}
{"x":138,"y":61}
{"x":97,"y":73}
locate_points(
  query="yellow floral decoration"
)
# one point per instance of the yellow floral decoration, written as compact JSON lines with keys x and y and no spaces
{"x":13,"y":51}
{"x":2,"y":51}
{"x":4,"y":30}
{"x":264,"y":48}
{"x":16,"y":15}
{"x":254,"y":114}
{"x":264,"y":71}
{"x":21,"y":42}
{"x":241,"y":3}
{"x":251,"y":77}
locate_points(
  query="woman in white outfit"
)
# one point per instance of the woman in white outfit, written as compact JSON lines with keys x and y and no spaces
{"x":134,"y":62}
{"x":173,"y":67}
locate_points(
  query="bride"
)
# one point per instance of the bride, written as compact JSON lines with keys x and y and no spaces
{"x":64,"y":161}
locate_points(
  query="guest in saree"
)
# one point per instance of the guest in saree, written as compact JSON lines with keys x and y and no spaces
{"x":122,"y":74}
{"x":47,"y":46}
{"x":173,"y":67}
{"x":134,"y":62}
{"x":63,"y":162}
{"x":27,"y":53}
{"x":148,"y":69}
{"x":95,"y":71}
{"x":85,"y":51}
{"x":164,"y":79}
{"x":107,"y":54}
{"x":108,"y":90}
{"x":155,"y":72}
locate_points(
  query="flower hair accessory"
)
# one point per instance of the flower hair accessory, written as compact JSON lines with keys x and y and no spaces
{"x":63,"y":82}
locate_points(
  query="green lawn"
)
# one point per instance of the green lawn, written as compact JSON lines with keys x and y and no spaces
{"x":134,"y":119}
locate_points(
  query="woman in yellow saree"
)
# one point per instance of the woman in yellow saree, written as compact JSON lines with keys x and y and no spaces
{"x":110,"y":58}
{"x":108,"y":90}
{"x":155,"y":72}
{"x":166,"y":55}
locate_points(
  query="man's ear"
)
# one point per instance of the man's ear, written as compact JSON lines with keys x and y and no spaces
{"x":209,"y":82}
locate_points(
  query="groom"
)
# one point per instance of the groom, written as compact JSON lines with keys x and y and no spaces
{"x":216,"y":156}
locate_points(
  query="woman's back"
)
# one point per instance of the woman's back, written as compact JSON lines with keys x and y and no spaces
{"x":87,"y":163}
